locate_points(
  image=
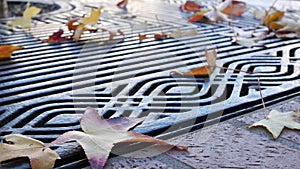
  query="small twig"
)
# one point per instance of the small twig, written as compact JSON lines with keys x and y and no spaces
{"x":262,"y":99}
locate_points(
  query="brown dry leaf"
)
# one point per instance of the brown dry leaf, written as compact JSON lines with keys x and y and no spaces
{"x":235,"y":8}
{"x":211,"y":57}
{"x":276,"y":121}
{"x":122,"y":4}
{"x":7,"y":50}
{"x":18,"y":145}
{"x":142,"y":37}
{"x":99,"y":136}
{"x":160,"y":36}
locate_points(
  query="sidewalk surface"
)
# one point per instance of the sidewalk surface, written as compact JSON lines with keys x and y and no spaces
{"x":229,"y":144}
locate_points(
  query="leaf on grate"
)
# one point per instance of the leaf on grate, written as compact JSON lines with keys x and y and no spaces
{"x":160,"y":36}
{"x":56,"y":37}
{"x":93,"y":18}
{"x":199,"y":16}
{"x":190,"y":6}
{"x":122,"y":4}
{"x":25,"y":22}
{"x":99,"y":136}
{"x":276,"y":121}
{"x":21,"y":146}
{"x":142,"y":37}
{"x":234,"y":8}
{"x":179,"y":34}
{"x":211,"y":57}
{"x":7,"y":50}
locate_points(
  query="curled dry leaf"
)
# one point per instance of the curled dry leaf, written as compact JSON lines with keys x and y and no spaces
{"x":272,"y":16}
{"x":122,"y":4}
{"x":25,"y":21}
{"x":7,"y":50}
{"x":179,"y":34}
{"x":190,"y":6}
{"x":99,"y":136}
{"x":56,"y":37}
{"x":17,"y":145}
{"x":211,"y":57}
{"x":276,"y":121}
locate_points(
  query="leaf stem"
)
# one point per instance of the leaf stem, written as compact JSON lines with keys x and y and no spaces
{"x":262,"y":99}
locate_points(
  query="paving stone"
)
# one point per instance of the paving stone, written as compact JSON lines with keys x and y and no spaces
{"x":135,"y":163}
{"x":232,"y":147}
{"x":289,"y":105}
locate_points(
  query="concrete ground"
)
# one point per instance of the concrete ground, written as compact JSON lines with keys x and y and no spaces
{"x":229,"y":144}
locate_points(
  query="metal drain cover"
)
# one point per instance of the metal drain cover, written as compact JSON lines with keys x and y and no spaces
{"x":46,"y":87}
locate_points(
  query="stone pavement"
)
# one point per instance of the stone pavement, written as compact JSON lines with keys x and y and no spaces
{"x":229,"y":144}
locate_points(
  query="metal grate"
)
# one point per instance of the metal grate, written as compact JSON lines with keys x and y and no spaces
{"x":46,"y":87}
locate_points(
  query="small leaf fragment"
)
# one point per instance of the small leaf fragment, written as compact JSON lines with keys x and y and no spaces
{"x":142,"y":37}
{"x":7,"y":50}
{"x":276,"y":121}
{"x":160,"y":36}
{"x":93,"y":18}
{"x":198,"y":16}
{"x":22,"y":146}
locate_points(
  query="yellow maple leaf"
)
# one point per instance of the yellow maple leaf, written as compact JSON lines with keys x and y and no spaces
{"x":7,"y":50}
{"x":276,"y":121}
{"x":25,"y":22}
{"x":93,"y":18}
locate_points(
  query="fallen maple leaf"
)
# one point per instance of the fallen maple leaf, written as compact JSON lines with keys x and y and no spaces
{"x":276,"y":121}
{"x":18,"y":145}
{"x":56,"y":37}
{"x":190,"y":6}
{"x":25,"y":22}
{"x":7,"y":50}
{"x":122,"y":4}
{"x":234,"y":8}
{"x":179,"y":34}
{"x":211,"y":57}
{"x":99,"y":136}
{"x":93,"y":18}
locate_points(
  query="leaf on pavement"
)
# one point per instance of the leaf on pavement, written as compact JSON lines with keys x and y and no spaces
{"x":7,"y":50}
{"x":272,"y":16}
{"x":18,"y":145}
{"x":179,"y":34}
{"x":99,"y":136}
{"x":198,"y":16}
{"x":25,"y":21}
{"x":142,"y":37}
{"x":276,"y":121}
{"x":190,"y":6}
{"x":56,"y":37}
